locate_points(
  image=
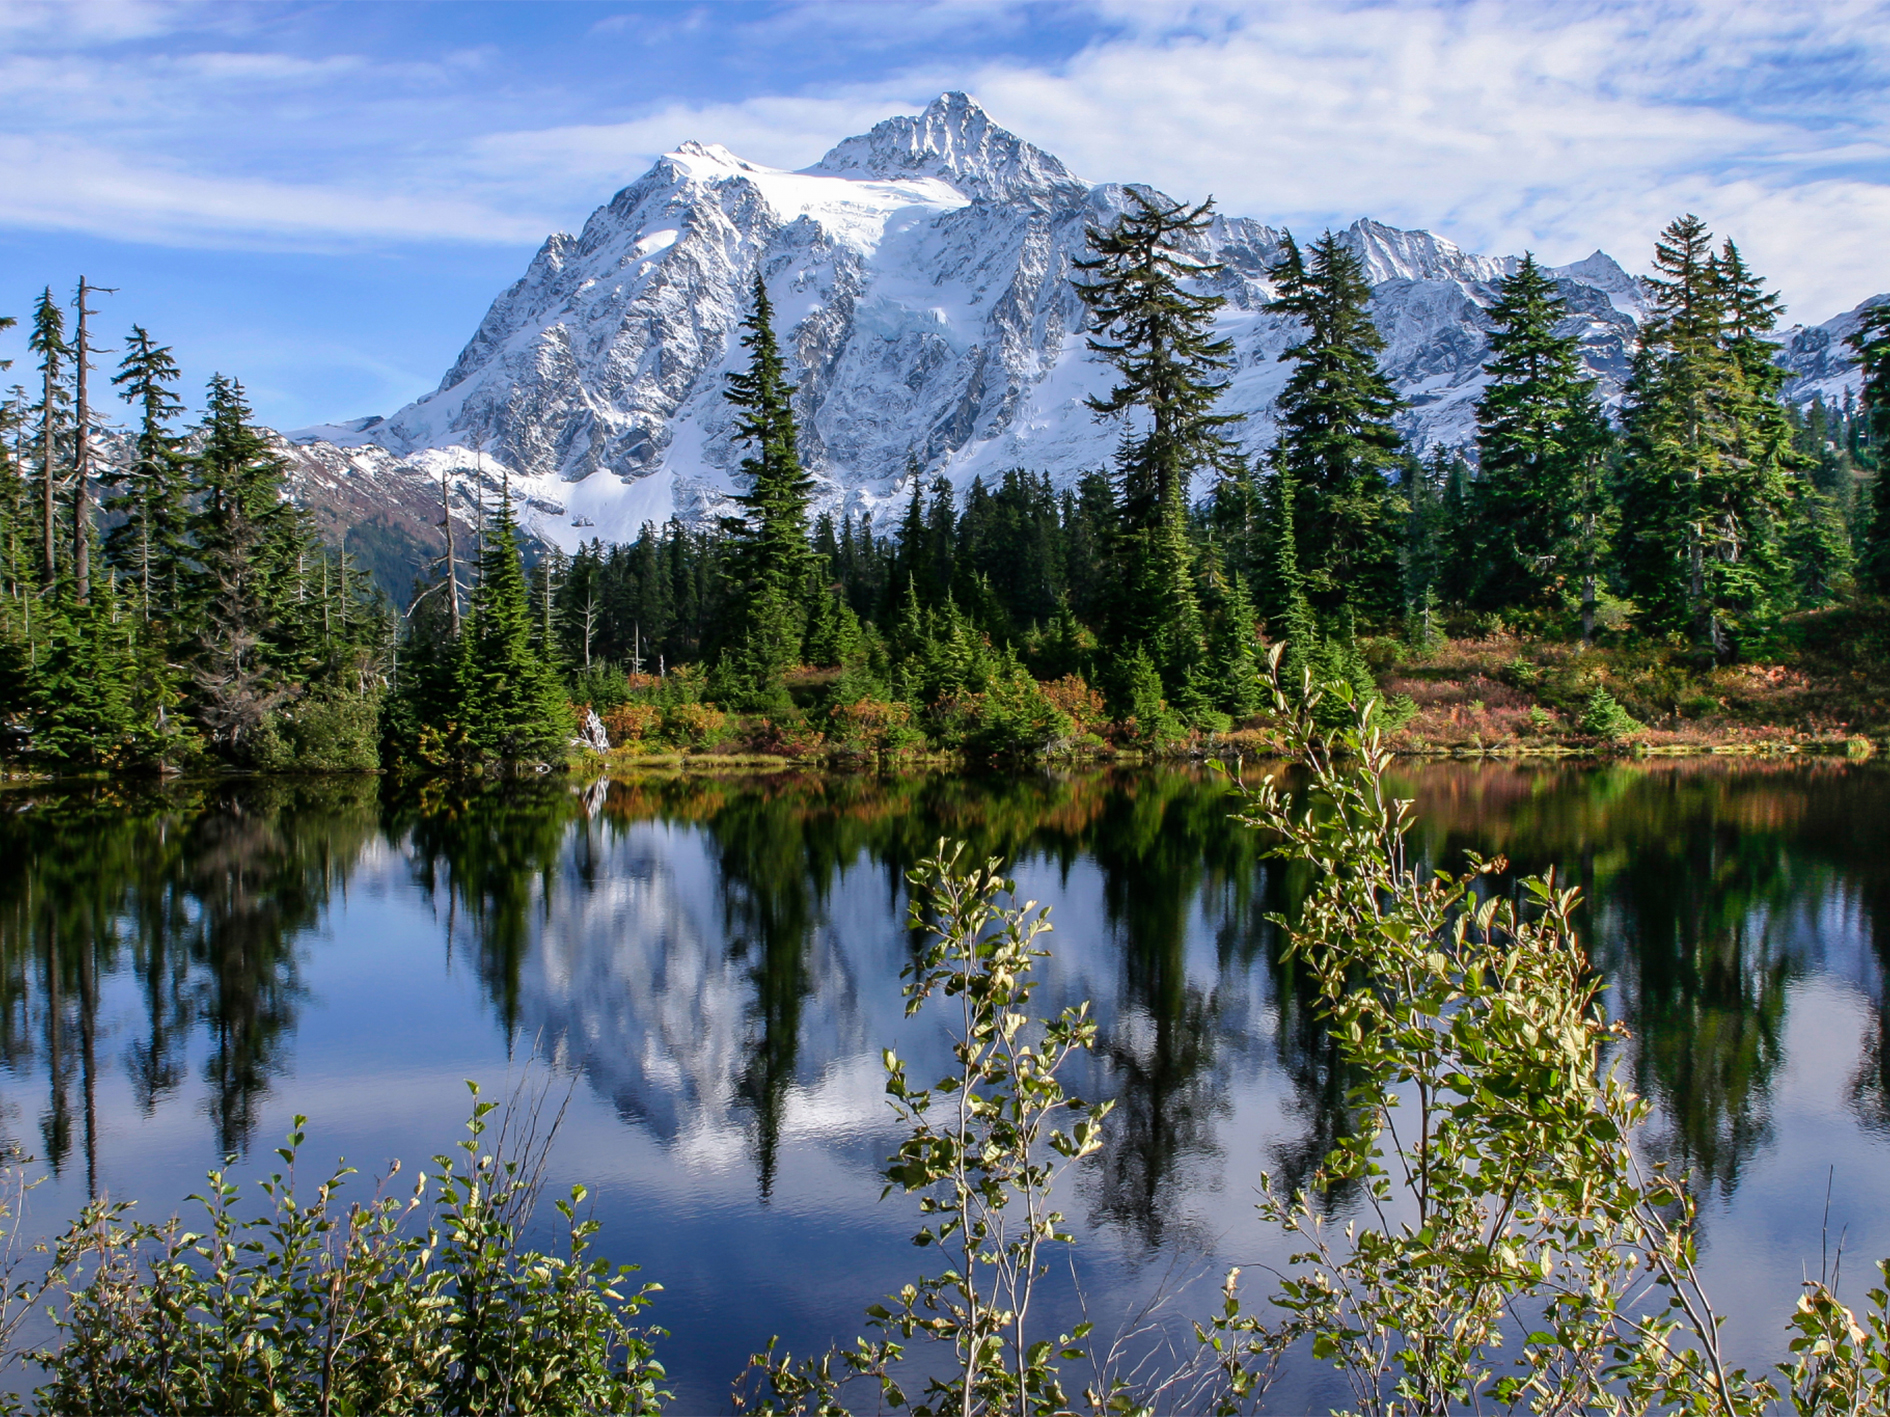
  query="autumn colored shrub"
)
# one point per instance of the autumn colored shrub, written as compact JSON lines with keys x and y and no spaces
{"x":630,"y":723}
{"x":1083,"y":706}
{"x":694,"y":725}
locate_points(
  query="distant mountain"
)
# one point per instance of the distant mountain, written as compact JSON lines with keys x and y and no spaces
{"x":921,"y":278}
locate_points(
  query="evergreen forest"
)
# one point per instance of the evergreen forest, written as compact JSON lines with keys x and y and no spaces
{"x":165,"y":603}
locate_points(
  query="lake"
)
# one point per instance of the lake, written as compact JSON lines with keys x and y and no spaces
{"x":711,"y":966}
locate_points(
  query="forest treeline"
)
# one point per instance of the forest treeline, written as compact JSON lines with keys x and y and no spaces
{"x":194,"y":613}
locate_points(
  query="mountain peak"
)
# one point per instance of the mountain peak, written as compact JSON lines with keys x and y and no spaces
{"x":955,"y":141}
{"x":694,"y":156}
{"x":1389,"y":253}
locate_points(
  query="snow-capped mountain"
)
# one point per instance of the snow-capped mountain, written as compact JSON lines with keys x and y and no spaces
{"x":921,"y":280}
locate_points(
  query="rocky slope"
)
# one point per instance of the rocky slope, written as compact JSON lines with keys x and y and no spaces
{"x":921,"y":277}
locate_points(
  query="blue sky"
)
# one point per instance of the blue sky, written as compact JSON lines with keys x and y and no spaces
{"x":322,"y":198}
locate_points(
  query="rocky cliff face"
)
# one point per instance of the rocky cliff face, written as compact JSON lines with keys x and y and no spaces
{"x":921,"y":278}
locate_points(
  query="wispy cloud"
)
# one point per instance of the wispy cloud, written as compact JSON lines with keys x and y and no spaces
{"x":1562,"y":128}
{"x":69,"y":185}
{"x":1502,"y":125}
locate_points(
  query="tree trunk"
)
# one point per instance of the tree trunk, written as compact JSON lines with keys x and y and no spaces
{"x":49,"y":513}
{"x":82,"y":463}
{"x":452,"y":566}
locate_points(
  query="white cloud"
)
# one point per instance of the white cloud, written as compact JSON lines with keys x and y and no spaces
{"x":590,"y":161}
{"x":1501,"y":125}
{"x":69,"y":185}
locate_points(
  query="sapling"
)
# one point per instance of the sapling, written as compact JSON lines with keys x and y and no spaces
{"x":1511,"y":1251}
{"x":984,"y":1148}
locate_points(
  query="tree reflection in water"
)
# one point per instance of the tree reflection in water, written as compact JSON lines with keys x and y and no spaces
{"x":1708,"y":889}
{"x":200,"y":894}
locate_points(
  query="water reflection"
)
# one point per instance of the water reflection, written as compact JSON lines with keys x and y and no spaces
{"x":719,"y":957}
{"x":200,"y":896}
{"x":1710,"y":890}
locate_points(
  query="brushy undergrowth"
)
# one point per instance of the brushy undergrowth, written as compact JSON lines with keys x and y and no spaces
{"x":416,"y":1299}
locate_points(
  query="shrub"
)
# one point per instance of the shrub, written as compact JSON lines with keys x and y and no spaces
{"x":601,"y":686}
{"x":1083,"y":706}
{"x":1602,"y":717}
{"x":328,"y":729}
{"x":1471,"y":1025}
{"x":423,"y":1302}
{"x":685,"y":684}
{"x":691,"y":724}
{"x":874,"y":725}
{"x":1016,"y":719}
{"x":631,"y":722}
{"x":787,"y":739}
{"x":984,"y":1149}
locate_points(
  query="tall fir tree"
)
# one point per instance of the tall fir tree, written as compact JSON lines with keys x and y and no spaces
{"x":148,"y":544}
{"x":912,"y":558}
{"x":1169,"y":365}
{"x":515,"y":704}
{"x":1871,"y":341}
{"x":768,"y":546}
{"x":1796,"y":548}
{"x":244,"y":574}
{"x":1704,"y":496}
{"x":1539,"y":431}
{"x":53,"y":416}
{"x":1425,"y":544}
{"x":1337,"y":437}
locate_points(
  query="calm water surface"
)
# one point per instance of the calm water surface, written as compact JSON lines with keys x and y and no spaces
{"x":713,"y":966}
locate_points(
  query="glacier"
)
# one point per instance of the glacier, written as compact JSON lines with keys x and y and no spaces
{"x":921,"y":277}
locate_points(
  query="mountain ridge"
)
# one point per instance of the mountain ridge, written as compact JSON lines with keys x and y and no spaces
{"x":920,"y":274}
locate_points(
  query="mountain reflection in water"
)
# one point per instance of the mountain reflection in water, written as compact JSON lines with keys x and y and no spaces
{"x":717,"y":959}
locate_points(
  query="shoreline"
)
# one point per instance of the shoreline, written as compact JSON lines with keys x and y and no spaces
{"x":1248,"y":744}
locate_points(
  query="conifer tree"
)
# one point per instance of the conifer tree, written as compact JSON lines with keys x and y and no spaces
{"x":515,"y":704}
{"x":1337,"y":435}
{"x":1289,"y":615}
{"x":427,"y":719}
{"x":1456,"y":535}
{"x":911,"y":562}
{"x":90,"y":684}
{"x":1798,"y":552}
{"x":1236,"y":513}
{"x":940,"y":572}
{"x":1538,"y":429}
{"x":1703,"y":491}
{"x":1160,"y":337}
{"x":1871,"y":340}
{"x":48,"y":341}
{"x":1238,"y":688}
{"x":244,"y":574}
{"x":768,"y":548}
{"x":833,"y":630}
{"x":148,"y":544}
{"x":1090,"y":532}
{"x":1426,"y":543}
